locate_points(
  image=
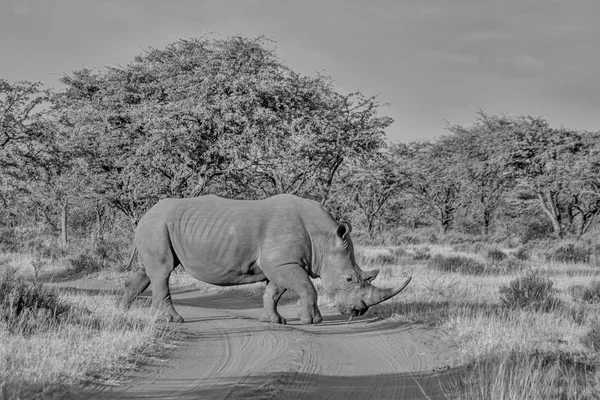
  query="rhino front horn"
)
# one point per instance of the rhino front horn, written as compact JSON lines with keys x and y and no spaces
{"x":376,"y":295}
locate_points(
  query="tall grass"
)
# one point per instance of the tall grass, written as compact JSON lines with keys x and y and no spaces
{"x":531,"y":340}
{"x":525,"y":376}
{"x":52,"y":342}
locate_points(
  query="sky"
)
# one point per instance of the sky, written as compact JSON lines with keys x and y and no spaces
{"x":433,"y":61}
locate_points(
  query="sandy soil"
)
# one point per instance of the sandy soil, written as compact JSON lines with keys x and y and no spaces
{"x":227,"y":354}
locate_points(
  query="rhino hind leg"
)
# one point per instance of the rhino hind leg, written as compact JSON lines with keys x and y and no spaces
{"x":272,"y":295}
{"x":295,"y":278}
{"x":159,"y":261}
{"x":134,"y":286}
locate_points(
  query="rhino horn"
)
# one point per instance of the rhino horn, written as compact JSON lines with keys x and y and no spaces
{"x":368,"y":276}
{"x":376,"y":295}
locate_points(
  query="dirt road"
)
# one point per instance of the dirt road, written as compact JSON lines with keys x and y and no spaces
{"x":228,"y":354}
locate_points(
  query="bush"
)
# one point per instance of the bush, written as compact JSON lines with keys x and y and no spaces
{"x":84,"y":263}
{"x":530,"y":292}
{"x":591,"y":339}
{"x":589,"y":293}
{"x":409,"y":239}
{"x":8,"y":240}
{"x":464,"y":265}
{"x":422,"y":254}
{"x":495,"y":255}
{"x":389,"y":257}
{"x":569,"y":253}
{"x":522,"y":253}
{"x":24,"y":304}
{"x":384,"y":259}
{"x":508,"y":266}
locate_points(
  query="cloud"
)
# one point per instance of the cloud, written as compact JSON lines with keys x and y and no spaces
{"x":485,"y":36}
{"x":438,"y":56}
{"x":523,"y":62}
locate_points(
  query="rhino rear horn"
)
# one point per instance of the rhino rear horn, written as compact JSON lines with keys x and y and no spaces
{"x":368,"y":276}
{"x":376,"y":295}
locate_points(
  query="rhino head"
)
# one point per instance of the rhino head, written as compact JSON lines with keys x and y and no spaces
{"x":344,"y":281}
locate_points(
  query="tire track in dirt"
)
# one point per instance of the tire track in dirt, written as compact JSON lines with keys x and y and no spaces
{"x":228,"y":354}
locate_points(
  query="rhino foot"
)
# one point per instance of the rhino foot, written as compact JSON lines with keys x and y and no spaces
{"x":272,"y":319}
{"x":313,"y":317}
{"x":178,"y":319}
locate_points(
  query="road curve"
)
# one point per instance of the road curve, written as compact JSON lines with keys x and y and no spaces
{"x":227,"y":354}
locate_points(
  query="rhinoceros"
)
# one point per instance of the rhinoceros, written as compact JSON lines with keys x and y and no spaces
{"x":284,"y":240}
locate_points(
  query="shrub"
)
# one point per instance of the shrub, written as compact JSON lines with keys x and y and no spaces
{"x":569,"y":253}
{"x":465,"y":265}
{"x":389,"y":257}
{"x":422,"y":254}
{"x":9,"y":242}
{"x":495,"y":255}
{"x":508,"y":266}
{"x":409,"y":239}
{"x":591,"y":339}
{"x":530,"y":292}
{"x":398,"y":252}
{"x":24,"y":304}
{"x":84,"y":262}
{"x":589,"y":293}
{"x":576,"y":313}
{"x":522,"y":253}
{"x":384,"y":259}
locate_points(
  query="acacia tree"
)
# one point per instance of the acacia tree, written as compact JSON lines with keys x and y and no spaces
{"x":481,"y":163}
{"x":546,"y":161}
{"x":434,"y":181}
{"x":584,"y":187}
{"x":25,"y":144}
{"x":210,"y":115}
{"x":370,"y":185}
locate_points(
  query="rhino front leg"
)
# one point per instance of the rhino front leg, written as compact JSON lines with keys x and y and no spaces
{"x":272,"y":295}
{"x":295,"y":278}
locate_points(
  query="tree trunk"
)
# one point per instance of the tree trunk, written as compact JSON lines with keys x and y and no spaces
{"x":64,"y":208}
{"x":548,"y":203}
{"x":100,"y":213}
{"x":486,"y":222}
{"x":443,"y":228}
{"x":445,"y":218}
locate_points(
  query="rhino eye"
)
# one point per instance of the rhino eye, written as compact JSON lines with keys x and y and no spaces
{"x":349,"y":278}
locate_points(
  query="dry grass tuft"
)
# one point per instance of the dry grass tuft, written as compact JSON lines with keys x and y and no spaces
{"x":530,"y":291}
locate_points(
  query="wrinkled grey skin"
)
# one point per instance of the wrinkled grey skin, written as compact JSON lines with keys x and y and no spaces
{"x":282,"y":240}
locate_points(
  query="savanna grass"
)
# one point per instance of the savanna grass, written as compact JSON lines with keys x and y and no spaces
{"x":531,"y":340}
{"x":52,"y":342}
{"x":457,"y":264}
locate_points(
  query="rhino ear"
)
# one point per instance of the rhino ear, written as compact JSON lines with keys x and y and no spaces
{"x":344,"y":229}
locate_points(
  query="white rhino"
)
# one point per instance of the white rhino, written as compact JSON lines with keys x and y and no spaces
{"x":282,"y":240}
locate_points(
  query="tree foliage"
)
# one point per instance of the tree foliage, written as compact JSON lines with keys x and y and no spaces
{"x":227,"y":116}
{"x":206,"y":115}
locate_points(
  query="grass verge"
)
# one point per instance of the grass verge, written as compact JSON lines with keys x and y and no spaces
{"x":53,"y":342}
{"x":525,"y":333}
